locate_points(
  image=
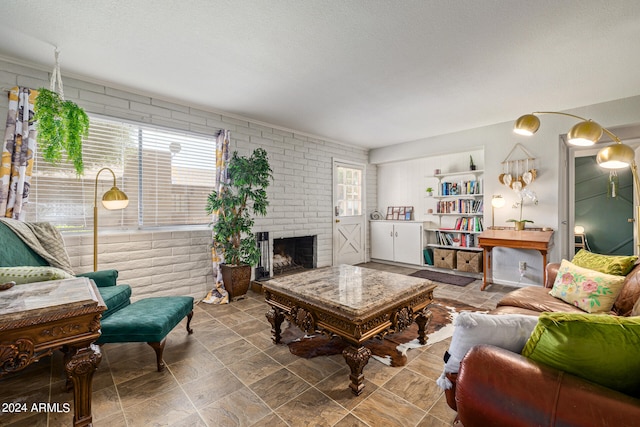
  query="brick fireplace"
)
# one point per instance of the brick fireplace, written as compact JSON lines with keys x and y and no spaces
{"x":289,"y":254}
{"x":294,"y":253}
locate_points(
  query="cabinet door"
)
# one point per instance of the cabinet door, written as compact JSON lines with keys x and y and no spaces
{"x":382,"y":240}
{"x":408,"y":243}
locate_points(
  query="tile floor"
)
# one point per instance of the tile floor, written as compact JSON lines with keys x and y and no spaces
{"x":229,"y":373}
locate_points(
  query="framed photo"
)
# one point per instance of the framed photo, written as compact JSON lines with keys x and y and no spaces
{"x":408,"y":213}
{"x":389,"y":212}
{"x":400,"y":213}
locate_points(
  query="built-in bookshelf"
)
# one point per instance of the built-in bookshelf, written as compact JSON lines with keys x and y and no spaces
{"x":459,"y":211}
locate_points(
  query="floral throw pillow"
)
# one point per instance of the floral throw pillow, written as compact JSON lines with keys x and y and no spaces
{"x":589,"y":290}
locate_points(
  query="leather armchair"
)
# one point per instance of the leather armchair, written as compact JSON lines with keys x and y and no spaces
{"x":496,"y":387}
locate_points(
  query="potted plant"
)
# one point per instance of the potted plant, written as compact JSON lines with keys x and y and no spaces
{"x":519,"y":224}
{"x":243,"y":195}
{"x":472,"y":165}
{"x":61,"y":127}
{"x":429,"y":191}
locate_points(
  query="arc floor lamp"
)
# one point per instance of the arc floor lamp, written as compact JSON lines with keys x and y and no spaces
{"x":585,"y":133}
{"x":113,"y":199}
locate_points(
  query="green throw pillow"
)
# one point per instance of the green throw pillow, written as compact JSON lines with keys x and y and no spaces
{"x":599,"y":348}
{"x":587,"y":289}
{"x":22,"y":275}
{"x":608,"y":264}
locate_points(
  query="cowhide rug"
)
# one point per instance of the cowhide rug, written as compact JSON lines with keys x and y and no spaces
{"x":393,"y":348}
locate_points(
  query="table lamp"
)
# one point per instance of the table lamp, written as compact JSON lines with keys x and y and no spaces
{"x":497,"y":201}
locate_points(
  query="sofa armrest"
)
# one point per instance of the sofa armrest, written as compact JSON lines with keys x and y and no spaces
{"x":499,"y":388}
{"x":103,"y":278}
{"x":552,"y":272}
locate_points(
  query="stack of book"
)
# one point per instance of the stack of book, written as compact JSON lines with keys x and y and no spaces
{"x":460,"y":188}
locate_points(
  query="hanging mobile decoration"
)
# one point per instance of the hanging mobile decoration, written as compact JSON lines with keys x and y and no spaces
{"x":613,"y":184}
{"x":512,"y":177}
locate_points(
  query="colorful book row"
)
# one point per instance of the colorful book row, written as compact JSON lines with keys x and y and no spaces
{"x":460,"y":188}
{"x":460,"y":206}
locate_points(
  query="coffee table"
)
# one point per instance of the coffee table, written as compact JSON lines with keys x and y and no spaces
{"x":354,"y":303}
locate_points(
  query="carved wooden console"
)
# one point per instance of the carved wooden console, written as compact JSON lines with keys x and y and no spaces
{"x":38,"y":318}
{"x":354,"y":303}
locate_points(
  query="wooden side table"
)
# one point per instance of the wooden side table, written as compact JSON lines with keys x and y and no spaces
{"x":535,"y":239}
{"x":38,"y":318}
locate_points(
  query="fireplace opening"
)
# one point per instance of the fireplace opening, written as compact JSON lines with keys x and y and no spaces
{"x":291,"y":254}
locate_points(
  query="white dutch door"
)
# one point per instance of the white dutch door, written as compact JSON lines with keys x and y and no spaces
{"x":348,"y":214}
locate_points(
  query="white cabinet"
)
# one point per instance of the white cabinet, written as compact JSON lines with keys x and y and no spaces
{"x":398,"y":241}
{"x":382,"y":240}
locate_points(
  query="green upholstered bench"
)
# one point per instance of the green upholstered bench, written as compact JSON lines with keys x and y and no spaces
{"x":148,"y":320}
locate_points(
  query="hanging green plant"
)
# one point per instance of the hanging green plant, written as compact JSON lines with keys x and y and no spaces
{"x":61,"y":127}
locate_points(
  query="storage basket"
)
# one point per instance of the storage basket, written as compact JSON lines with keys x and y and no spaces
{"x":470,"y":261}
{"x":444,"y":258}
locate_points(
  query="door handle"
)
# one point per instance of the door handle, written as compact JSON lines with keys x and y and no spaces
{"x":337,"y":220}
{"x":631,"y":220}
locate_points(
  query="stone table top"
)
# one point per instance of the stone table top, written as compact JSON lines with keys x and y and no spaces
{"x":33,"y":299}
{"x":350,"y":289}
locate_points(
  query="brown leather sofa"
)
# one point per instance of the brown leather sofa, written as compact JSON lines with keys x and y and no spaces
{"x":496,"y":387}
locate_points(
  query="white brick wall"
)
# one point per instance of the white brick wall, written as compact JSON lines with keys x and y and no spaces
{"x":178,"y":262}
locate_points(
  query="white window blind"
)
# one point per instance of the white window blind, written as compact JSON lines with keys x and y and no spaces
{"x":166,"y":174}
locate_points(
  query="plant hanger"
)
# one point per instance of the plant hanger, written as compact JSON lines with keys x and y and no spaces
{"x":56,"y":76}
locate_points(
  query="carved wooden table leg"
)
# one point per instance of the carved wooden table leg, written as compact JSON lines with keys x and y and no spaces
{"x":275,"y":317}
{"x":82,"y":363}
{"x":422,"y":319}
{"x":357,"y":359}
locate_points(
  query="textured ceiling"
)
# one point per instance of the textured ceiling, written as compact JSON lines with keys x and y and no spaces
{"x":365,"y":72}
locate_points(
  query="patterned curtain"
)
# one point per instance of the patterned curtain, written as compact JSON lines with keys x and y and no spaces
{"x":219,"y":295}
{"x":18,"y":153}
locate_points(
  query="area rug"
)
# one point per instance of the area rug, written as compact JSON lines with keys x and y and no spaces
{"x":392,"y":350}
{"x":436,"y":276}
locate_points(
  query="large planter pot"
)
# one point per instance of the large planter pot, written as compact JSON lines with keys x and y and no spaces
{"x":236,"y":280}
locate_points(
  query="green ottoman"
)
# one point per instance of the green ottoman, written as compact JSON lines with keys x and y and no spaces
{"x":148,"y":320}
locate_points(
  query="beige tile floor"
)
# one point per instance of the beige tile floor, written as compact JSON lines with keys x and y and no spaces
{"x":229,"y":373}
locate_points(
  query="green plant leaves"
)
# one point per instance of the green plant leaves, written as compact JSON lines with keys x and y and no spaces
{"x":245,"y":194}
{"x":61,"y":127}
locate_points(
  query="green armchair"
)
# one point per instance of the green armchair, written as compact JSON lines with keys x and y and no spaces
{"x":15,"y":253}
{"x":147,"y":320}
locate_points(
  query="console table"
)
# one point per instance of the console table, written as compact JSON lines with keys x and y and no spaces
{"x":38,"y":318}
{"x":353,"y":303}
{"x":516,"y":239}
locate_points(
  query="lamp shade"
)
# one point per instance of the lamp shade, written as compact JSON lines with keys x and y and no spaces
{"x":527,"y":125}
{"x":115,"y":199}
{"x":578,"y":229}
{"x":616,"y":156}
{"x":585,"y":133}
{"x":497,"y":201}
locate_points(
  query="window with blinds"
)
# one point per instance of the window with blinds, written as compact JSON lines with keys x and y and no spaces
{"x":166,"y":174}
